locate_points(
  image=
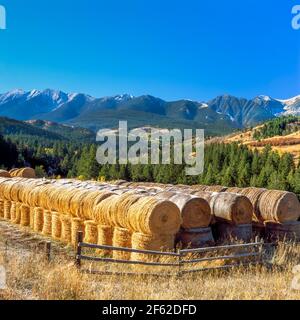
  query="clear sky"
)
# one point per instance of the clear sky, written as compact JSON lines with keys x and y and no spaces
{"x":168,"y":48}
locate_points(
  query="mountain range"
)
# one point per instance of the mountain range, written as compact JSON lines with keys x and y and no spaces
{"x":219,"y":115}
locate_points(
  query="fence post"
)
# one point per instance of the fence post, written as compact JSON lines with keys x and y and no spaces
{"x":261,"y":254}
{"x":6,"y":252}
{"x":179,"y":263}
{"x":79,"y":240}
{"x":48,"y":250}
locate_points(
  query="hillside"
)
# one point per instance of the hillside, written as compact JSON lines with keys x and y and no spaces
{"x":66,"y":131}
{"x":44,"y":129}
{"x":283,"y":135}
{"x":110,"y":119}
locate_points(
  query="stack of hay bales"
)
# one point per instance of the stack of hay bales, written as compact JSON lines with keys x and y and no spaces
{"x":253,"y":194}
{"x":280,"y":211}
{"x":232,"y":213}
{"x":154,"y":224}
{"x":237,"y":213}
{"x":142,"y":216}
{"x":196,"y":219}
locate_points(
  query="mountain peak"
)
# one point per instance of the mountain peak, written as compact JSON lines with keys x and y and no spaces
{"x":264,"y":98}
{"x":123,"y":97}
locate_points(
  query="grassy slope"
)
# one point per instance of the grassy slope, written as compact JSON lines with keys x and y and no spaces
{"x":287,"y":144}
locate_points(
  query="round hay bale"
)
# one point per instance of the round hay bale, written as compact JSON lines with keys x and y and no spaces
{"x":38,"y":219}
{"x":1,"y":209}
{"x":150,"y":242}
{"x":18,"y":213}
{"x":15,"y":172}
{"x":198,"y":187}
{"x":66,"y":228}
{"x":15,"y":190}
{"x":119,"y":182}
{"x":47,"y":227}
{"x":77,"y":225}
{"x":7,"y":187}
{"x":26,"y":173}
{"x":204,"y":194}
{"x":121,"y":239}
{"x":150,"y":215}
{"x":279,"y":206}
{"x":13,"y":209}
{"x":195,"y":211}
{"x":5,"y":174}
{"x":25,"y":215}
{"x":232,"y":207}
{"x":76,"y":202}
{"x":120,"y":208}
{"x":7,"y":206}
{"x":88,"y":200}
{"x":56,"y":226}
{"x":38,"y":190}
{"x":254,"y":194}
{"x":57,"y":198}
{"x":3,"y":182}
{"x":31,"y":224}
{"x":195,"y":238}
{"x":103,"y":212}
{"x":12,"y":171}
{"x":90,"y":232}
{"x":216,"y":188}
{"x":166,"y":194}
{"x":105,"y":238}
{"x":234,"y":190}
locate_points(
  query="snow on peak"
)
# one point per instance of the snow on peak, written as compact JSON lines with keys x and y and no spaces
{"x":289,"y":102}
{"x":264,"y":98}
{"x":33,"y":93}
{"x":203,"y":106}
{"x":123,"y":97}
{"x":13,"y":94}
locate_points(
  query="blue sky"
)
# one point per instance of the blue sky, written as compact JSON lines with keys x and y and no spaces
{"x":172,"y":49}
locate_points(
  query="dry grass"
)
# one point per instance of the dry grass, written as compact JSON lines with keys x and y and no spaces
{"x":30,"y":276}
{"x":281,"y":144}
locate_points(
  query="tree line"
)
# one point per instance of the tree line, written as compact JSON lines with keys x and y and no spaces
{"x":225,"y":164}
{"x":277,"y":127}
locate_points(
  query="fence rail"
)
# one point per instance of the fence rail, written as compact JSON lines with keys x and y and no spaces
{"x":251,"y":253}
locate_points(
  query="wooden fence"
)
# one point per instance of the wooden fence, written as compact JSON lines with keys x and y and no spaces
{"x":181,"y":261}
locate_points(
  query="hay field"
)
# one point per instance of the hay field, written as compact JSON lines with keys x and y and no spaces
{"x":30,"y":276}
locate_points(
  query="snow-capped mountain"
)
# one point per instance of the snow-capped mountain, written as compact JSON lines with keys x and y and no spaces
{"x":22,"y":105}
{"x":291,"y":106}
{"x":84,"y":110}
